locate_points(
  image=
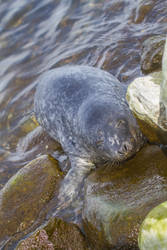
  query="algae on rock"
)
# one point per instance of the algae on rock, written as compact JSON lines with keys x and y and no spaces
{"x":24,"y":200}
{"x":116,"y":202}
{"x":153,"y":230}
{"x":57,"y":234}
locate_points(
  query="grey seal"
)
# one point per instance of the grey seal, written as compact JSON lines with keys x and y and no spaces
{"x":85,"y":110}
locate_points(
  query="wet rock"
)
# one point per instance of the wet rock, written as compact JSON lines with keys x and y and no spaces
{"x":25,"y":199}
{"x":154,"y":229}
{"x":56,"y":235}
{"x":142,"y":10}
{"x":151,"y":54}
{"x":116,"y":202}
{"x":147,"y":99}
{"x":38,"y":142}
{"x":39,"y":240}
{"x":163,"y":91}
{"x":35,"y":135}
{"x":35,"y":141}
{"x":143,"y":96}
{"x":29,"y":124}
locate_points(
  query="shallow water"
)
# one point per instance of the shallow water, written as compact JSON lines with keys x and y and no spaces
{"x":39,"y":35}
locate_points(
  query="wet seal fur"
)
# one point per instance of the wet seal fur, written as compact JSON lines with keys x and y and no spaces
{"x":84,"y":109}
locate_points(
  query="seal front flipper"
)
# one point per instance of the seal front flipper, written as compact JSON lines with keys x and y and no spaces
{"x":70,"y":193}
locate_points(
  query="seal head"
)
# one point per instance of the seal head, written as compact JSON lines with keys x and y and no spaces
{"x":113,"y":134}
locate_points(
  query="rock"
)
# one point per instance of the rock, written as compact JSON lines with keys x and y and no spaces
{"x":143,"y":98}
{"x":116,"y":202}
{"x":151,"y":54}
{"x":39,"y":241}
{"x":34,"y":141}
{"x":147,"y":99}
{"x":56,"y":235}
{"x":25,"y":199}
{"x":38,"y":142}
{"x":163,"y":91}
{"x":142,"y":11}
{"x":154,"y":229}
{"x":28,"y":124}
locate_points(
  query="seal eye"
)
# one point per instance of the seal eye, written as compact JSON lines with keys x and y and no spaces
{"x":119,"y":124}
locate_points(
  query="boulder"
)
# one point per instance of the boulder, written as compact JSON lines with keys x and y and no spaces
{"x":163,"y":91}
{"x":143,"y":96}
{"x":147,"y":98}
{"x":153,"y":231}
{"x":117,"y":199}
{"x":25,"y":199}
{"x":56,"y":235}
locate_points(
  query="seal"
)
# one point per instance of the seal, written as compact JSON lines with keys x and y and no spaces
{"x":85,"y":110}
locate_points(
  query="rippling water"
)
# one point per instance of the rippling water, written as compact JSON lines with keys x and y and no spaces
{"x":39,"y":35}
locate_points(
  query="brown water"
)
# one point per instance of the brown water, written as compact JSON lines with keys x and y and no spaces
{"x":39,"y":35}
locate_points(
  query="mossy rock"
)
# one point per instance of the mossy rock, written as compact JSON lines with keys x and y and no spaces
{"x":117,"y":199}
{"x":57,"y":234}
{"x":25,"y":197}
{"x":153,"y":232}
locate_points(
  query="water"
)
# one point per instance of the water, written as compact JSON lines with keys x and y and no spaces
{"x":36,"y":36}
{"x":39,"y":35}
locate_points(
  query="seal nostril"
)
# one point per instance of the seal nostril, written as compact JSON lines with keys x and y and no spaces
{"x":125,"y":147}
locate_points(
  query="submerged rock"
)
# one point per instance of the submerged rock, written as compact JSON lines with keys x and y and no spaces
{"x":38,"y":240}
{"x":25,"y":197}
{"x":29,"y":124}
{"x":151,"y":54}
{"x":56,"y":235}
{"x":153,"y":231}
{"x":116,"y":202}
{"x":35,"y":141}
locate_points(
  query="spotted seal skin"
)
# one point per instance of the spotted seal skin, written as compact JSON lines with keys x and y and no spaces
{"x":84,"y":109}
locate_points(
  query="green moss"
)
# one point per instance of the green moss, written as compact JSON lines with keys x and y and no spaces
{"x":153,"y":232}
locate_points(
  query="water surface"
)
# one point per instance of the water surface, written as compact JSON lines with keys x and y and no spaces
{"x":36,"y":36}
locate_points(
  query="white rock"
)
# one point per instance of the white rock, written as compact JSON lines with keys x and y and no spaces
{"x":147,"y":98}
{"x":143,"y":97}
